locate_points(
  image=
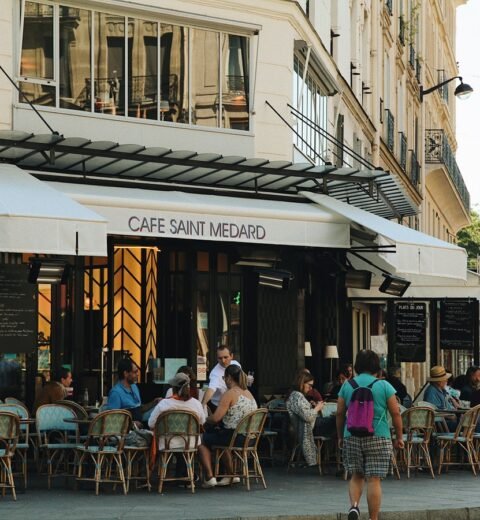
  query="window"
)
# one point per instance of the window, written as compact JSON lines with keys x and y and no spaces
{"x":81,"y":59}
{"x":311,"y":101}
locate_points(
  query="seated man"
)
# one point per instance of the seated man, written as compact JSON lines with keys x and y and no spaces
{"x":55,"y":390}
{"x":125,"y":394}
{"x":437,"y":395}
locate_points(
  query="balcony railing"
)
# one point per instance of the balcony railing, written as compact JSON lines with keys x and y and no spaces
{"x":414,"y":172}
{"x":390,"y":130}
{"x":438,"y":150}
{"x":418,"y":70}
{"x":403,"y":150}
{"x":411,"y":58}
{"x":389,"y":6}
{"x":401,"y":30}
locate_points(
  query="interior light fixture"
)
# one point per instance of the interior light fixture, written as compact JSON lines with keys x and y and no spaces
{"x":394,"y":285}
{"x":48,"y":271}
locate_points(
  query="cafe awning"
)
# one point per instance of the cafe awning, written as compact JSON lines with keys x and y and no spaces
{"x":183,"y":215}
{"x":35,"y":218}
{"x":411,"y":253}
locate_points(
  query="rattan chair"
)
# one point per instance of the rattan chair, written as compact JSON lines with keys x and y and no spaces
{"x":24,"y":436}
{"x":9,"y":432}
{"x":178,"y":431}
{"x":418,"y":425}
{"x":104,"y":447}
{"x":243,"y":447}
{"x":463,"y":438}
{"x":54,"y":434}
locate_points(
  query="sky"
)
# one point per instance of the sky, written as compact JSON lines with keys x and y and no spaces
{"x":468,"y":110}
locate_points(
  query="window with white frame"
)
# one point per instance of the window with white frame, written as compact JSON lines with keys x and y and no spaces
{"x":107,"y":63}
{"x":310,"y":99}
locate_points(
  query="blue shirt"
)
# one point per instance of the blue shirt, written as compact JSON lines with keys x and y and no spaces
{"x":122,"y":398}
{"x":437,"y":397}
{"x":382,"y":391}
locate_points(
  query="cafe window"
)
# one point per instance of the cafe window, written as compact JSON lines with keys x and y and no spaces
{"x":81,"y":59}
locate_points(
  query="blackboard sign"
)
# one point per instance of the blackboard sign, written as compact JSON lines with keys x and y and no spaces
{"x":457,"y":319}
{"x":18,"y":310}
{"x":410,"y":331}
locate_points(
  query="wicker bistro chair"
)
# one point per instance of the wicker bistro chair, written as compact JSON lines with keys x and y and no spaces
{"x":243,"y":446}
{"x":463,"y":438}
{"x":54,"y":432}
{"x":179,"y":432}
{"x":9,"y":432}
{"x":418,"y":425}
{"x":104,"y":447}
{"x":24,"y":437}
{"x":137,"y":459}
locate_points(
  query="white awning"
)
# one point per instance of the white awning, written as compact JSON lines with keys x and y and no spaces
{"x":175,"y":214}
{"x":35,"y":218}
{"x":415,"y":253}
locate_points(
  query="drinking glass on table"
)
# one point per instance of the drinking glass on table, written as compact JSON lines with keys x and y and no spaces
{"x":250,"y":378}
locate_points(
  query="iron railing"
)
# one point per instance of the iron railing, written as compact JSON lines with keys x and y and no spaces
{"x":401,"y":29}
{"x":390,"y":130}
{"x":439,"y":151}
{"x":403,"y":150}
{"x":418,"y":70}
{"x":389,"y":6}
{"x":414,"y":172}
{"x":411,"y":58}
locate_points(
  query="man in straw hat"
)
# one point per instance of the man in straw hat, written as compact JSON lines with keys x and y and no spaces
{"x":437,"y":394}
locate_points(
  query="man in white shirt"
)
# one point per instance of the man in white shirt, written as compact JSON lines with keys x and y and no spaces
{"x":216,"y":384}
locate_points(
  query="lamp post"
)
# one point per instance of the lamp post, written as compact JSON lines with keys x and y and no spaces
{"x":463,"y":91}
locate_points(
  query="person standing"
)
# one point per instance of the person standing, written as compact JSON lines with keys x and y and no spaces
{"x":367,"y":458}
{"x":216,"y":384}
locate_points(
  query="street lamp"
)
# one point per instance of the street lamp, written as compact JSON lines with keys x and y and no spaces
{"x":463,"y":91}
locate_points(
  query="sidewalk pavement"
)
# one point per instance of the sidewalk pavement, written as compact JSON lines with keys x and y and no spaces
{"x":299,"y":494}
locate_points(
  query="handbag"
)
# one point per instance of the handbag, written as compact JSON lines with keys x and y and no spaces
{"x":139,"y":438}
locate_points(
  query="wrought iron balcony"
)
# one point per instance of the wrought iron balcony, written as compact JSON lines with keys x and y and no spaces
{"x":401,"y":30}
{"x":414,"y":172}
{"x":389,"y":130}
{"x":389,"y":6}
{"x":418,"y":70}
{"x":403,"y":150}
{"x":411,"y":58}
{"x":438,"y":151}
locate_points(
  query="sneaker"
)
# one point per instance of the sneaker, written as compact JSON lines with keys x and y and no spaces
{"x":227,"y":481}
{"x":354,"y":513}
{"x":209,"y":483}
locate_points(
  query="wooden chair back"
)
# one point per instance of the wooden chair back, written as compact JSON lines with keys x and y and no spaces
{"x":108,"y":428}
{"x":418,"y":421}
{"x":9,"y":432}
{"x":79,"y":410}
{"x":251,"y":428}
{"x":178,"y":427}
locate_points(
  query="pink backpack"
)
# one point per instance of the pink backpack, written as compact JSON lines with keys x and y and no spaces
{"x":361,"y":410}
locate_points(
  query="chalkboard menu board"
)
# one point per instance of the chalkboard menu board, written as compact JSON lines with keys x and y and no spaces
{"x":457,"y":319}
{"x":410,"y":331}
{"x":18,"y":310}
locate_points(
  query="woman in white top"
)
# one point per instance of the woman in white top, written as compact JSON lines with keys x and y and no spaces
{"x":179,"y":400}
{"x":235,"y":404}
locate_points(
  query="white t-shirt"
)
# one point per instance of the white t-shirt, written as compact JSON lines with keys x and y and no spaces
{"x":217,"y":383}
{"x":165,"y":405}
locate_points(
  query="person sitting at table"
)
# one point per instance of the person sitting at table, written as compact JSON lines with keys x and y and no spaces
{"x":234,"y":405}
{"x":313,"y":395}
{"x":305,"y":418}
{"x":436,"y":394}
{"x":472,"y":383}
{"x":56,"y":389}
{"x":341,"y":375}
{"x":125,"y":394}
{"x":195,"y":392}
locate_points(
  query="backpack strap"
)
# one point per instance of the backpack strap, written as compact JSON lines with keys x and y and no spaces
{"x":353,"y":383}
{"x":372,"y":383}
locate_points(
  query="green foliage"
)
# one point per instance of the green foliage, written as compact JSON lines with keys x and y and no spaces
{"x":469,"y":238}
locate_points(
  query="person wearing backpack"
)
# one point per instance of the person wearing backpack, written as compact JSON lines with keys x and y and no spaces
{"x":364,"y":432}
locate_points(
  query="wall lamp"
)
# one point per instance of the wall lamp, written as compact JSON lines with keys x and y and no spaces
{"x":47,"y":271}
{"x":463,"y":91}
{"x":274,"y":278}
{"x":394,"y":285}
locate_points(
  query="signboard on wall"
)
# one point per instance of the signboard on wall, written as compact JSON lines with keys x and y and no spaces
{"x":410,"y":335}
{"x":457,"y":322}
{"x":18,"y":310}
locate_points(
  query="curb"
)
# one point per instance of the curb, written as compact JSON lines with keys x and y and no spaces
{"x":467,"y":513}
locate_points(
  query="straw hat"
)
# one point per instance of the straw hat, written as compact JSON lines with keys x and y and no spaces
{"x":438,"y":373}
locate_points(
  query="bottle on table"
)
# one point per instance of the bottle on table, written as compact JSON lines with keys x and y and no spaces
{"x":85,"y":397}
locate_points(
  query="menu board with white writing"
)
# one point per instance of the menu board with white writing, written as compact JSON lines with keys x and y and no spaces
{"x":18,"y":310}
{"x":410,"y":331}
{"x":457,"y":320}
